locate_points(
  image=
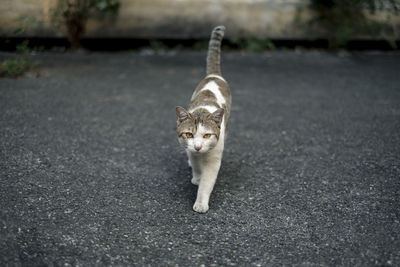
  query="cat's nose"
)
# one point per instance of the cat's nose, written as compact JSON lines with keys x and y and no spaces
{"x":197,"y":148}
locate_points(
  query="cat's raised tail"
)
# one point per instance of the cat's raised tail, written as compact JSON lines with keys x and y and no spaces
{"x":214,"y":50}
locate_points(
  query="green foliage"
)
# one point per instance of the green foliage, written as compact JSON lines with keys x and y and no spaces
{"x":25,"y":22}
{"x":23,"y":48}
{"x":253,"y":44}
{"x":250,"y":44}
{"x":107,"y":6}
{"x":23,"y":61}
{"x":200,"y":45}
{"x":70,"y":8}
{"x":343,"y":20}
{"x":158,"y":46}
{"x":17,"y":66}
{"x":75,"y":13}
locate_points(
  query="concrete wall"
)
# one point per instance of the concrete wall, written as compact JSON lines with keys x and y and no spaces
{"x":172,"y":19}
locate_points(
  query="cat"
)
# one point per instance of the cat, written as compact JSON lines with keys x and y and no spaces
{"x":202,"y":128}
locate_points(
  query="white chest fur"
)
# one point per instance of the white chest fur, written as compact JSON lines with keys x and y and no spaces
{"x":205,"y":168}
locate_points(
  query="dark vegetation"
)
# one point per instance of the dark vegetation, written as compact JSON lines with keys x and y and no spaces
{"x":344,"y":20}
{"x":20,"y":64}
{"x":162,"y":45}
{"x":73,"y":15}
{"x":346,"y":24}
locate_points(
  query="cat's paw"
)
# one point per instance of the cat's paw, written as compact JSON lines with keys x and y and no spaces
{"x":190,"y":165}
{"x":200,"y":207}
{"x":195,"y":181}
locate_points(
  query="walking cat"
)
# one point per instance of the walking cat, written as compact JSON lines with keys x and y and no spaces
{"x":202,"y":127}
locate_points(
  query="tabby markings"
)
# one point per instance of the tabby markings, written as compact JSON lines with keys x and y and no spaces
{"x":214,"y":88}
{"x":210,"y":109}
{"x":215,"y":76}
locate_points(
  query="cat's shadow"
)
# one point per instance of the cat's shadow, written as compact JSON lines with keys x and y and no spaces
{"x":183,"y":192}
{"x":179,"y":174}
{"x":229,"y":178}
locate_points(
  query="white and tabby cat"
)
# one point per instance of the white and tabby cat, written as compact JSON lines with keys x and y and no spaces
{"x":202,"y":127}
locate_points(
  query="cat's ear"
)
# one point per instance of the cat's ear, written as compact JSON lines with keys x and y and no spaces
{"x":217,"y":116}
{"x":181,"y":114}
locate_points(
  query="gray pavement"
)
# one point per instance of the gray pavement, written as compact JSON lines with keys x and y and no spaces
{"x":92,"y":174}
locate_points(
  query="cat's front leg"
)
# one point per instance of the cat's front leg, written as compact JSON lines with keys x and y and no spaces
{"x":188,"y":155}
{"x":195,"y":180}
{"x":195,"y":163}
{"x":206,"y":185}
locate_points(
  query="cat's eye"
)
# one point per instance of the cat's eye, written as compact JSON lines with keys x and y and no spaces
{"x":206,"y":136}
{"x":189,"y":135}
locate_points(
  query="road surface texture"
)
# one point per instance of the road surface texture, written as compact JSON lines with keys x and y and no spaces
{"x":92,"y":173}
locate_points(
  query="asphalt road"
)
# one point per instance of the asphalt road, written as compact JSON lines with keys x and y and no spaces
{"x":92,"y":173}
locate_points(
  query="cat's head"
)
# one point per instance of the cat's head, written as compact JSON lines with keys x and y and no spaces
{"x":199,"y":131}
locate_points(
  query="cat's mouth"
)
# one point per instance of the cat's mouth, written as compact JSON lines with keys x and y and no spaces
{"x":201,"y":151}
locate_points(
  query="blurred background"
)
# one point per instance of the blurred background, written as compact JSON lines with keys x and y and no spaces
{"x":156,"y":26}
{"x":253,"y":25}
